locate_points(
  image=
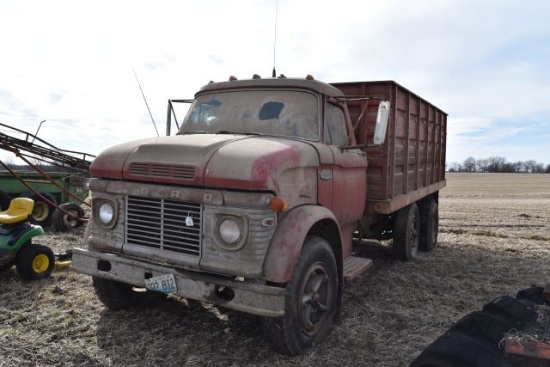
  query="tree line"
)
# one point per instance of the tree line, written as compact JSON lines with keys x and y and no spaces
{"x":498,"y":164}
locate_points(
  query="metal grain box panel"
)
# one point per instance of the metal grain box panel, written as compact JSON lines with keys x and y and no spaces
{"x":411,"y":162}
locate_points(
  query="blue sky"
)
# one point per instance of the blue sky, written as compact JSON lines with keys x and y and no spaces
{"x":485,"y":62}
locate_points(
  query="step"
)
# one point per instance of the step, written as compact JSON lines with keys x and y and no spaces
{"x":355,"y":266}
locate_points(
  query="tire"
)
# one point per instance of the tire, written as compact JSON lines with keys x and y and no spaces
{"x":5,"y":201}
{"x":521,"y":313}
{"x":43,"y":211}
{"x":406,"y":232}
{"x":484,"y":325}
{"x":61,"y":222}
{"x":34,"y":262}
{"x":456,"y":349}
{"x":311,"y":301}
{"x":120,"y":296}
{"x":429,"y":225}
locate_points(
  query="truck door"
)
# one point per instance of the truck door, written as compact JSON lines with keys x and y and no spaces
{"x":348,"y":173}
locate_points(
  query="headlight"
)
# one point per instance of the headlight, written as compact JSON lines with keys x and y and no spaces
{"x":229,"y":231}
{"x":106,"y":213}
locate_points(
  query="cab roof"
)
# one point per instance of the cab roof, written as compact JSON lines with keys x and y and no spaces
{"x":312,"y":85}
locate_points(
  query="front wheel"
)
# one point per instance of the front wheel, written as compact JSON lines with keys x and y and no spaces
{"x":119,"y":296}
{"x":311,"y":301}
{"x":34,"y":262}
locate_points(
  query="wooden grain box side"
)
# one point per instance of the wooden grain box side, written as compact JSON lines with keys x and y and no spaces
{"x":411,"y":162}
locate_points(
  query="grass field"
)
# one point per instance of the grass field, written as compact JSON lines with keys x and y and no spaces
{"x":494,"y":240}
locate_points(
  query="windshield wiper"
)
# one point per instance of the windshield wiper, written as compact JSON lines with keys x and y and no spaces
{"x":193,"y":132}
{"x":235,"y":133}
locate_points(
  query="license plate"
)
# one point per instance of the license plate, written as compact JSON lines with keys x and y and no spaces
{"x":165,"y":283}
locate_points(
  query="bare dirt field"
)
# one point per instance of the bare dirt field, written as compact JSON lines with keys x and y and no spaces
{"x":494,"y":240}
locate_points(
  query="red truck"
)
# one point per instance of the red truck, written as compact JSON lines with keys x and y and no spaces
{"x":254,"y":204}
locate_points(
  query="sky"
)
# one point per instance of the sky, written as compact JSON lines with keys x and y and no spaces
{"x":71,"y":63}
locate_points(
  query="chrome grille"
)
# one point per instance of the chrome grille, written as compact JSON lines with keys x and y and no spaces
{"x":162,"y":170}
{"x":161,"y":224}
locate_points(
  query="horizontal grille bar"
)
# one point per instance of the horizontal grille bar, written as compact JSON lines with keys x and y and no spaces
{"x":161,"y":224}
{"x":162,"y":170}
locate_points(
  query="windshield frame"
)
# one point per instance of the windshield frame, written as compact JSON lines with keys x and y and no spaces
{"x":315,"y":135}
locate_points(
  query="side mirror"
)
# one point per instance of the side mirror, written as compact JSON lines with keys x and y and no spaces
{"x":381,"y":122}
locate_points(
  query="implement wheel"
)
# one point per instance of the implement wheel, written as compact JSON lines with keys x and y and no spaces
{"x":43,"y":211}
{"x":4,"y":200}
{"x":62,"y":222}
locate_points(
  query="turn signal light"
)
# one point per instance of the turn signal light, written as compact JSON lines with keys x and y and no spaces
{"x":277,"y":204}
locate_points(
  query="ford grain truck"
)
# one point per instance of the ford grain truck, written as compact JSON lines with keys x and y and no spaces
{"x":254,"y":204}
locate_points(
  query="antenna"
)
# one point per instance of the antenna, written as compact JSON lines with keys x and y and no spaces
{"x":274,"y":74}
{"x":147,"y":104}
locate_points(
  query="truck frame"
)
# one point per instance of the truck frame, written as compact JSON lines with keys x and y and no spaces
{"x":254,"y":204}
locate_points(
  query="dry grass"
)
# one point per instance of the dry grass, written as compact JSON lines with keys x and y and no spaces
{"x":494,"y":240}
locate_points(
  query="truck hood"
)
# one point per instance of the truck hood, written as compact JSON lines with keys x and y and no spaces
{"x":209,"y":160}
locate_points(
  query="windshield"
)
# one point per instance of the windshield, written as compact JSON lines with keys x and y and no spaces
{"x":263,"y":112}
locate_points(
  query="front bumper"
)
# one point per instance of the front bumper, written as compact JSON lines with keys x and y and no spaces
{"x":250,"y":297}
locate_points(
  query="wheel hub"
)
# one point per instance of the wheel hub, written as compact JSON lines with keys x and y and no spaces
{"x":316,"y":294}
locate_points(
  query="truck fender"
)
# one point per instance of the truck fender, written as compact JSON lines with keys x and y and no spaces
{"x":289,"y":238}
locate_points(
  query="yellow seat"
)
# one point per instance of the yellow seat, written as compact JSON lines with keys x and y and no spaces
{"x":19,"y":210}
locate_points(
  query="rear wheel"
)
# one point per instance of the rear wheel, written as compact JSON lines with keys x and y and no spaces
{"x":311,"y":301}
{"x":429,"y":224}
{"x":62,"y":222}
{"x":43,"y":211}
{"x":406,"y":232}
{"x":34,"y":262}
{"x":119,"y":296}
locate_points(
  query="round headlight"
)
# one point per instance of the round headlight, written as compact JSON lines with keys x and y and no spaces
{"x":229,"y":231}
{"x":106,"y":213}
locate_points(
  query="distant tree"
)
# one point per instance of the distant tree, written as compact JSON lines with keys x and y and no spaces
{"x":469,"y":164}
{"x":454,"y":167}
{"x":496,"y":164}
{"x":508,"y":168}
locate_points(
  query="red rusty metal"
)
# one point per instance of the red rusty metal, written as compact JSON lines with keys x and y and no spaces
{"x":527,"y":351}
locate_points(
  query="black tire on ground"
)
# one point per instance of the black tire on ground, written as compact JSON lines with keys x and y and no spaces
{"x":43,"y":211}
{"x":62,"y":222}
{"x":311,"y":301}
{"x":119,"y":296}
{"x":522,"y":313}
{"x":5,"y":200}
{"x":456,"y":349}
{"x":406,"y":232}
{"x":533,"y":294}
{"x":429,"y":224}
{"x":484,"y":325}
{"x":34,"y":262}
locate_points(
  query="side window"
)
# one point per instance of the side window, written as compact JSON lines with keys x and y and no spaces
{"x":335,"y":126}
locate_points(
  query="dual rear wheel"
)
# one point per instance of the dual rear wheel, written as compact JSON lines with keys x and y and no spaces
{"x":416,"y":228}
